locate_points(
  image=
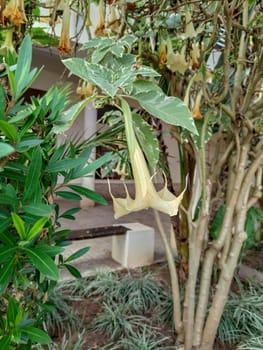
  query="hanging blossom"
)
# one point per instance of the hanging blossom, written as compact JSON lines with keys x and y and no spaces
{"x":176,"y":62}
{"x":8,"y":44}
{"x":146,"y":195}
{"x":15,"y":12}
{"x":196,"y":110}
{"x":114,"y":21}
{"x":162,"y":55}
{"x":190,"y":32}
{"x":64,"y":42}
{"x":88,"y":19}
{"x":100,"y":28}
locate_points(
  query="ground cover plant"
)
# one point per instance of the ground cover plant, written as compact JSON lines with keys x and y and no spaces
{"x":107,"y":319}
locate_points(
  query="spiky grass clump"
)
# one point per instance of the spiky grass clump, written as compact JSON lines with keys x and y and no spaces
{"x":255,"y":343}
{"x":117,"y":321}
{"x":102,"y":285}
{"x":165,"y":309}
{"x":144,"y":341}
{"x":242,"y":320}
{"x":68,"y":343}
{"x":60,"y":316}
{"x":141,"y":293}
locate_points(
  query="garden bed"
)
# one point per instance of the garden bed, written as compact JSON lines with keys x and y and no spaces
{"x":132,"y":310}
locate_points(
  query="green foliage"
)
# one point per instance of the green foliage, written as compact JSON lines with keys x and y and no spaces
{"x":60,"y":316}
{"x":30,"y":164}
{"x":117,"y":321}
{"x":242,"y":320}
{"x":217,"y":222}
{"x":252,"y":227}
{"x":144,"y":341}
{"x":16,"y":327}
{"x":254,"y":343}
{"x":115,"y":72}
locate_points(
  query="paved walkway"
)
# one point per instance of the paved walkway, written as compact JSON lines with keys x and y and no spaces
{"x":99,"y":255}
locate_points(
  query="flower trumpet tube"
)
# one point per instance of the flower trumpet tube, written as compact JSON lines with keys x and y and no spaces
{"x":64,"y":42}
{"x":146,"y":195}
{"x":163,"y":55}
{"x":189,"y":26}
{"x":100,"y":28}
{"x":114,"y":22}
{"x":196,"y":110}
{"x":8,"y":44}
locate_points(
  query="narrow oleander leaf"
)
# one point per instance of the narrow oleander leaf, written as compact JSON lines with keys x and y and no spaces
{"x":64,"y":164}
{"x":5,"y":342}
{"x":6,"y":149}
{"x":73,"y":270}
{"x":43,"y":263}
{"x":94,"y":165}
{"x":6,"y":273}
{"x":6,"y":253}
{"x":92,"y":195}
{"x":19,"y":226}
{"x":77,"y":254}
{"x":69,"y":195}
{"x":36,"y":229}
{"x":8,"y":130}
{"x":34,"y":173}
{"x":38,"y":209}
{"x":36,"y":335}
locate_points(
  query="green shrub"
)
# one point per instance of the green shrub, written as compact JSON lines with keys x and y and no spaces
{"x":31,"y":246}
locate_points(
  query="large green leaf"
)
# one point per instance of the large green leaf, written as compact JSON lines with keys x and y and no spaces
{"x":36,"y":335}
{"x":94,"y":165}
{"x":8,"y":130}
{"x":5,"y":342}
{"x":92,"y":195}
{"x":24,"y":60}
{"x":2,"y":102}
{"x":12,"y":310}
{"x":77,"y":254}
{"x":67,"y":118}
{"x":8,"y":196}
{"x":37,"y":227}
{"x":38,"y":209}
{"x":19,"y":226}
{"x":167,"y":108}
{"x":73,"y":270}
{"x":26,"y":144}
{"x":34,"y":173}
{"x":43,"y":263}
{"x":6,"y":253}
{"x":68,"y":195}
{"x":51,"y":250}
{"x":5,"y":149}
{"x":23,"y":76}
{"x":6,"y":273}
{"x":96,"y":74}
{"x":64,"y":164}
{"x":147,"y":139}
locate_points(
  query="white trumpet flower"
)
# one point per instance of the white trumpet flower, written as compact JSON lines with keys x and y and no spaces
{"x":146,"y":195}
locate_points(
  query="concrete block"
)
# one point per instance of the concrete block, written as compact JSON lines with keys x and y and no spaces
{"x":136,"y":247}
